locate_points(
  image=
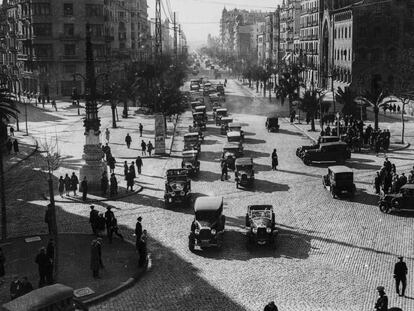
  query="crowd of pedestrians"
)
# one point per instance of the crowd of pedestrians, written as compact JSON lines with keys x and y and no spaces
{"x":388,"y":181}
{"x":67,"y":184}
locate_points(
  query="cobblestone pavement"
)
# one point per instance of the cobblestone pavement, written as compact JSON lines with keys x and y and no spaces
{"x":331,"y":254}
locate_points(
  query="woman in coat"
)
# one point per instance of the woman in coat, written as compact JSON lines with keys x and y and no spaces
{"x":125,"y":169}
{"x":61,"y":186}
{"x":95,"y":259}
{"x":68,"y":184}
{"x":74,"y":183}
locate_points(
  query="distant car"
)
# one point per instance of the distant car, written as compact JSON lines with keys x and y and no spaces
{"x":192,"y":141}
{"x":244,"y":172}
{"x":272,"y":124}
{"x":190,"y":162}
{"x":194,"y":87}
{"x":327,"y":152}
{"x":321,"y":139}
{"x":220,"y":89}
{"x":177,"y":187}
{"x":339,"y":181}
{"x":220,"y":113}
{"x":395,"y":202}
{"x":260,"y":225}
{"x":207,"y":228}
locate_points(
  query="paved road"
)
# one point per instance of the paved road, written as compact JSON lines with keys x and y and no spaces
{"x":331,"y":254}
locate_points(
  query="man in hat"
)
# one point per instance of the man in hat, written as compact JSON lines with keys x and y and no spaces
{"x":138,"y":231}
{"x":109,"y":216}
{"x":93,"y":219}
{"x":382,"y":301}
{"x":400,"y":276}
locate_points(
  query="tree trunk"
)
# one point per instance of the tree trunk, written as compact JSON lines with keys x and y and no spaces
{"x":376,"y":111}
{"x":3,"y":198}
{"x":403,"y":124}
{"x":313,"y":123}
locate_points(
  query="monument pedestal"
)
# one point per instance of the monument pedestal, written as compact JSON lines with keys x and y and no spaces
{"x":160,"y":134}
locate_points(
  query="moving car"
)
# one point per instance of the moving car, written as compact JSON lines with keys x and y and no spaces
{"x":321,"y":139}
{"x":394,"y":202}
{"x":231,"y":151}
{"x":224,"y":124}
{"x":177,"y":187}
{"x":260,"y":225}
{"x":203,"y":110}
{"x":244,"y":172}
{"x":220,"y":113}
{"x":272,"y":124}
{"x":199,"y":120}
{"x":327,"y":152}
{"x":236,"y":126}
{"x":207,"y":228}
{"x":190,"y":162}
{"x":220,"y":89}
{"x":192,"y":142}
{"x":339,"y":180}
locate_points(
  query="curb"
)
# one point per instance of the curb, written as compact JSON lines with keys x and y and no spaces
{"x":24,"y":158}
{"x":73,"y":200}
{"x":405,"y":146}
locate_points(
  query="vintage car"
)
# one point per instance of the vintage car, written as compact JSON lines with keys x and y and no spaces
{"x":196,"y":129}
{"x":207,"y":228}
{"x":321,"y":139}
{"x":224,"y":124}
{"x":236,"y":138}
{"x":339,"y":180}
{"x":231,"y":151}
{"x":214,"y":98}
{"x":244,"y":172}
{"x":260,"y":225}
{"x":236,"y":126}
{"x":195,"y":103}
{"x":394,"y":202}
{"x":199,"y":120}
{"x":190,"y":162}
{"x":220,"y":89}
{"x":177,"y":187}
{"x":220,"y":113}
{"x":203,"y":110}
{"x":194,"y":87}
{"x":192,"y":142}
{"x":272,"y":124}
{"x":327,"y":152}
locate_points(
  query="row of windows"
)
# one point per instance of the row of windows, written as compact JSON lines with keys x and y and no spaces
{"x":46,"y":50}
{"x":44,"y":9}
{"x":343,"y":32}
{"x":309,"y":6}
{"x":309,"y":47}
{"x":343,"y":54}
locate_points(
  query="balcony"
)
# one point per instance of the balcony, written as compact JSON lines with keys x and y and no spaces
{"x":22,"y":37}
{"x":70,"y":58}
{"x":43,"y":58}
{"x":22,"y":57}
{"x":109,"y":38}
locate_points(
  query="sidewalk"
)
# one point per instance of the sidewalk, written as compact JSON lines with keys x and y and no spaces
{"x":27,"y":147}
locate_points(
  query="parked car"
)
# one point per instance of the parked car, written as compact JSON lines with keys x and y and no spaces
{"x":395,"y":202}
{"x":321,"y":139}
{"x":236,"y":126}
{"x":260,"y":225}
{"x":203,"y":110}
{"x":177,"y":187}
{"x":272,"y":124}
{"x":244,"y":172}
{"x":192,"y":142}
{"x":197,"y":128}
{"x":339,"y":180}
{"x":195,"y":103}
{"x":190,"y":162}
{"x":220,"y":89}
{"x":224,"y":124}
{"x":327,"y":152}
{"x":194,"y":87}
{"x":207,"y":228}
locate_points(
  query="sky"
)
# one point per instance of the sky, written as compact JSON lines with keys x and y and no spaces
{"x":198,"y":18}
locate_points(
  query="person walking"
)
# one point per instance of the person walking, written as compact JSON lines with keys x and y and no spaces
{"x":377,"y":183}
{"x":61,"y":186}
{"x":275,"y":161}
{"x":2,"y":262}
{"x":130,"y":181}
{"x":400,"y":276}
{"x":95,"y":260}
{"x":107,"y":135}
{"x":382,"y":301}
{"x":11,"y":131}
{"x":16,"y":146}
{"x":100,"y":225}
{"x":114,"y":229}
{"x":224,"y":170}
{"x":144,"y":148}
{"x":74,"y":181}
{"x":128,"y":140}
{"x":139,"y":164}
{"x":84,"y":188}
{"x":132,"y":169}
{"x":140,"y":129}
{"x":99,"y":246}
{"x":126,"y":169}
{"x":93,"y":219}
{"x":138,"y":231}
{"x":54,"y":104}
{"x":15,"y":288}
{"x":67,"y":182}
{"x":113,"y":190}
{"x":9,"y":146}
{"x":109,"y":215}
{"x":43,"y":263}
{"x":104,"y":183}
{"x":150,"y":147}
{"x":111,"y":164}
{"x":142,"y":249}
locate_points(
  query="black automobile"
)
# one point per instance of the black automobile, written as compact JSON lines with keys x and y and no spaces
{"x":244,"y":172}
{"x":207,"y":228}
{"x":260,"y":225}
{"x":337,"y":152}
{"x":231,"y":151}
{"x":321,"y":139}
{"x":394,"y":202}
{"x":220,"y":89}
{"x":190,"y":162}
{"x":272,"y":124}
{"x":339,"y":181}
{"x":177,"y":187}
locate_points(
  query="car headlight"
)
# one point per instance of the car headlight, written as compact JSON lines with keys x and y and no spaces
{"x":268,"y":230}
{"x":182,"y":193}
{"x":173,"y":194}
{"x":197,"y":231}
{"x":254,"y":230}
{"x":213,"y":231}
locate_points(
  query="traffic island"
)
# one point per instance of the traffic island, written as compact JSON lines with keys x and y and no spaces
{"x":120,"y":260}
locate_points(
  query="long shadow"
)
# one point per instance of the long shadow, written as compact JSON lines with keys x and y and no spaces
{"x":37,"y":115}
{"x":208,"y":176}
{"x":267,"y":186}
{"x":252,"y":141}
{"x":362,"y":166}
{"x":211,"y":156}
{"x":209,"y":142}
{"x":262,"y":167}
{"x":288,"y":132}
{"x":249,"y":134}
{"x":255,"y":154}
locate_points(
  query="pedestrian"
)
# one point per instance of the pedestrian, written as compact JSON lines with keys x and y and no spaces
{"x":68,"y":185}
{"x":74,"y":181}
{"x":143,"y":148}
{"x":107,"y":135}
{"x":113,"y":190}
{"x":95,"y":260}
{"x":224,"y":170}
{"x":84,"y":188}
{"x":140,"y":129}
{"x":100,"y":225}
{"x":54,"y":104}
{"x":109,"y":215}
{"x":48,"y":218}
{"x":104,"y":183}
{"x":150,"y":147}
{"x":93,"y":219}
{"x":11,"y":131}
{"x":43,"y":264}
{"x":27,"y":287}
{"x":61,"y":186}
{"x":111,"y":164}
{"x":114,"y":229}
{"x":99,"y":246}
{"x":43,"y":101}
{"x":142,"y":249}
{"x":275,"y":161}
{"x":130,"y":180}
{"x":270,"y":307}
{"x":48,"y":99}
{"x":138,"y":231}
{"x":50,"y":252}
{"x":382,"y":301}
{"x":128,"y":140}
{"x":15,"y":288}
{"x":16,"y":146}
{"x":400,"y":276}
{"x":377,"y":183}
{"x":126,"y":169}
{"x":9,"y":146}
{"x":138,"y":163}
{"x":132,"y":169}
{"x":2,"y":262}
{"x":107,"y":151}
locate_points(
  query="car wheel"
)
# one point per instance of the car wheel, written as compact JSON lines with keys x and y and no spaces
{"x":333,"y":192}
{"x":395,"y":203}
{"x":237,"y":185}
{"x":306,"y":161}
{"x":191,"y":245}
{"x":384,"y":207}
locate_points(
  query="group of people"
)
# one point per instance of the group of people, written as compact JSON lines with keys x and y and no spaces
{"x":68,"y":184}
{"x":12,"y":145}
{"x":388,"y":181}
{"x":99,"y":222}
{"x":45,"y":262}
{"x":146,"y":147}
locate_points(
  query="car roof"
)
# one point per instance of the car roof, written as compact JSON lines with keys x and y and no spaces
{"x":235,"y":124}
{"x":200,"y":107}
{"x":189,"y":153}
{"x":208,"y":203}
{"x":222,"y":109}
{"x":408,"y":186}
{"x":244,"y":161}
{"x":231,"y":146}
{"x":234,"y":134}
{"x":334,"y":143}
{"x":260,"y":207}
{"x":340,"y":169}
{"x":274,"y":117}
{"x":226,"y":118}
{"x":190,"y":134}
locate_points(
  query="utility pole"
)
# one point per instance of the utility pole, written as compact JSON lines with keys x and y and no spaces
{"x":158,"y":31}
{"x":179,"y":39}
{"x":175,"y":38}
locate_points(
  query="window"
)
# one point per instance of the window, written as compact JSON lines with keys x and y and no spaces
{"x":41,"y":9}
{"x":99,"y":50}
{"x":93,"y":10}
{"x":44,"y":29}
{"x":43,"y":50}
{"x":346,"y":32}
{"x":68,"y":9}
{"x":97,"y":30}
{"x":70,"y":49}
{"x":69,"y":68}
{"x":69,"y":30}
